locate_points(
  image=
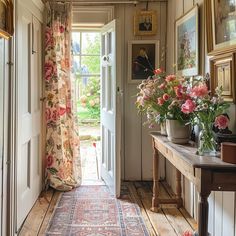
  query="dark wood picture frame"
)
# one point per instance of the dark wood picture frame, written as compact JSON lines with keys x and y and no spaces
{"x":6,"y":18}
{"x":223,"y":73}
{"x":140,"y":70}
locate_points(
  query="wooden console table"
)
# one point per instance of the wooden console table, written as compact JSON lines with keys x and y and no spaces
{"x":207,"y":173}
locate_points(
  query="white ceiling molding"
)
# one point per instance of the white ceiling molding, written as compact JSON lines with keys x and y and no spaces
{"x":86,"y":2}
{"x":101,"y":16}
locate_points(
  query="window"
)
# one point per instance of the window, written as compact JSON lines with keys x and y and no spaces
{"x":86,"y":47}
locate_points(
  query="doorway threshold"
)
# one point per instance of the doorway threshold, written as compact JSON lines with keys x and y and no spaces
{"x":92,"y":182}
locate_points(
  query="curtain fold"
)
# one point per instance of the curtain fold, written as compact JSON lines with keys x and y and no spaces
{"x":63,"y":167}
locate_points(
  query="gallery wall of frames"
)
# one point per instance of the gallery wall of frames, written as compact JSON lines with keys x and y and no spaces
{"x":212,"y":50}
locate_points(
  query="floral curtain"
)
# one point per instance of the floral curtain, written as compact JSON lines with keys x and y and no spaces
{"x":63,"y":170}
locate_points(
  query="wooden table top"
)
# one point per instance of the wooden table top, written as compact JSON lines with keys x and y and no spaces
{"x":187,"y":153}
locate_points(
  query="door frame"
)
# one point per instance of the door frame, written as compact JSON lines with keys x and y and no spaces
{"x":109,"y":12}
{"x":35,"y":6}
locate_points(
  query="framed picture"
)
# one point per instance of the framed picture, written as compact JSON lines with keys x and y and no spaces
{"x":223,"y":72}
{"x":186,"y":43}
{"x":143,"y":59}
{"x":220,"y":22}
{"x":145,"y":23}
{"x":6,"y":18}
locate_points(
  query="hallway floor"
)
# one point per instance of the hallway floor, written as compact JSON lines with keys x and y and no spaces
{"x":169,"y":221}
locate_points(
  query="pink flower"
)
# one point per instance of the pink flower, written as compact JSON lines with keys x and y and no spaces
{"x":55,"y":115}
{"x":199,"y":91}
{"x":188,"y":233}
{"x":160,"y":101}
{"x":170,"y":78}
{"x":49,"y":161}
{"x":48,"y":37}
{"x":158,"y":71}
{"x":48,"y":114}
{"x":62,"y":111}
{"x":188,"y":106}
{"x":62,"y":29}
{"x":49,"y":70}
{"x":221,"y":122}
{"x":166,"y":97}
{"x":162,"y":86}
{"x":178,"y":91}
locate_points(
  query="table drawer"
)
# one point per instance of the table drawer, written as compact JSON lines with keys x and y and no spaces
{"x":224,"y":180}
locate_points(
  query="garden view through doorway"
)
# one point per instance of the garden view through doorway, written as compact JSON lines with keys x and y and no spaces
{"x":86,"y":51}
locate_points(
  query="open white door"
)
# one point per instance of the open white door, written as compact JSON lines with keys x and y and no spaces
{"x":110,"y":114}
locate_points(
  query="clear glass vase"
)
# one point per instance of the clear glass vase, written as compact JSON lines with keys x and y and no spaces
{"x":206,"y":141}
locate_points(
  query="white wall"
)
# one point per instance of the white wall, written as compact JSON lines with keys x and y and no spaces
{"x":221,"y":204}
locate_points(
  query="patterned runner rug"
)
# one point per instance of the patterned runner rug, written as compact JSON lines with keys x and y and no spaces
{"x":93,"y":211}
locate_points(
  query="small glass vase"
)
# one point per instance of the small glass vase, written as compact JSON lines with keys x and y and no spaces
{"x":206,"y":141}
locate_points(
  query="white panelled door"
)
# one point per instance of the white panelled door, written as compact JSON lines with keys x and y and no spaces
{"x":110,"y":158}
{"x":29,"y":77}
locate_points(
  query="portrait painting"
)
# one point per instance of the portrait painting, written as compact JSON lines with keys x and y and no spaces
{"x":143,"y":59}
{"x":186,"y":46}
{"x":145,"y":23}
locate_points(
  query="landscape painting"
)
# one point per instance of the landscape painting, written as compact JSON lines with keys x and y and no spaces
{"x":187,"y":44}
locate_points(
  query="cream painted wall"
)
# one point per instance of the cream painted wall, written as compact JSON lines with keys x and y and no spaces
{"x":221,"y":204}
{"x":137,"y":153}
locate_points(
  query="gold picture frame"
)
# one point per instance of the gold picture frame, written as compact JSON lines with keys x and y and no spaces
{"x":220,"y":24}
{"x":6,"y":18}
{"x":145,"y":23}
{"x":223,"y":72}
{"x":187,"y":43}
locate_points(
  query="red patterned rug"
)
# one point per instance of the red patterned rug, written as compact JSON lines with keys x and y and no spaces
{"x":93,"y":211}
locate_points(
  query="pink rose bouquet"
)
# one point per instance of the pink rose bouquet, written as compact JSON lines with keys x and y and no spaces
{"x":161,"y":97}
{"x":206,"y":111}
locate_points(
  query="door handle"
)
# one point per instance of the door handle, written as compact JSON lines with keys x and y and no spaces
{"x":120,"y":91}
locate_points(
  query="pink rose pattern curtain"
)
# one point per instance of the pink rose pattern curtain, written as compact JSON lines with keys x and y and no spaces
{"x":63,"y":170}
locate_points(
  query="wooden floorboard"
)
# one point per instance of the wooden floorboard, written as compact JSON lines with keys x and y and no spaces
{"x":186,"y":215}
{"x":168,"y":221}
{"x":35,"y":218}
{"x":157,"y":219}
{"x":145,"y":215}
{"x":49,"y":213}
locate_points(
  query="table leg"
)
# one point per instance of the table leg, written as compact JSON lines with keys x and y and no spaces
{"x":155,"y":203}
{"x":178,"y":189}
{"x":203,"y":215}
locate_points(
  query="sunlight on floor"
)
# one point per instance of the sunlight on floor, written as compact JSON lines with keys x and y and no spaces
{"x":90,"y":153}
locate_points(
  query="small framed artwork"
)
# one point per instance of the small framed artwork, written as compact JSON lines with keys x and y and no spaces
{"x":223,"y":72}
{"x":145,"y":23}
{"x":143,"y":59}
{"x":186,"y":44}
{"x":220,"y":26}
{"x":6,"y":18}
